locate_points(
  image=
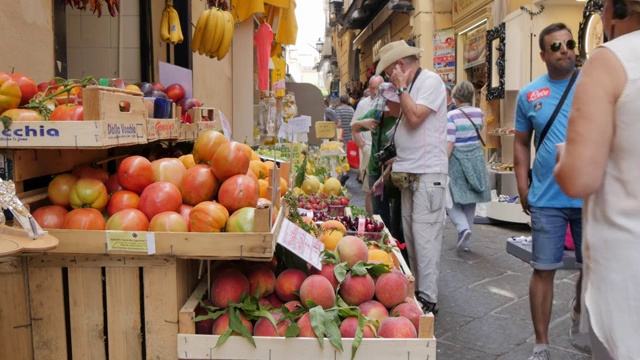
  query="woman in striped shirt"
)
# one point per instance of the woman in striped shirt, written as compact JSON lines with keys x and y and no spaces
{"x":469,"y":177}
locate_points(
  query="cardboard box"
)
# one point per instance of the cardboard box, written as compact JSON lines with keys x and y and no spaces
{"x":106,"y":125}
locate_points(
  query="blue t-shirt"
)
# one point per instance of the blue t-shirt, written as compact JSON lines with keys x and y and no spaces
{"x":536,"y":103}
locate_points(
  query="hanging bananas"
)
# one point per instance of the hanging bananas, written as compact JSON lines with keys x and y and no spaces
{"x":170,"y":30}
{"x":213,"y":34}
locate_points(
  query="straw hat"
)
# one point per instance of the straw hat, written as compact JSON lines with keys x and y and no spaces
{"x":393,"y":52}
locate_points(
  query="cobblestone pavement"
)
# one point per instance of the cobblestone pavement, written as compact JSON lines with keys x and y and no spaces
{"x":484,"y":302}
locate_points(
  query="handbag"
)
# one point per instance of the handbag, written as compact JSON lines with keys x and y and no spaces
{"x":544,"y":132}
{"x":475,"y":126}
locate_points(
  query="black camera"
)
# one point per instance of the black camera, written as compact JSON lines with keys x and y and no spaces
{"x":387,"y":153}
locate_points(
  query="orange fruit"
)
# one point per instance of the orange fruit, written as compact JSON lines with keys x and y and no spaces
{"x":258,"y":168}
{"x":263,"y":187}
{"x":380,"y":256}
{"x":255,"y":156}
{"x":270,"y":165}
{"x":283,"y":186}
{"x":334,"y":225}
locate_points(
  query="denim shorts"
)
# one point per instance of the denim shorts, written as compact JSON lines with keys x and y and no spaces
{"x":548,"y":230}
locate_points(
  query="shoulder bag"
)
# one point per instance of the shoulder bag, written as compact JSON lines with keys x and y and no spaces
{"x":475,"y":126}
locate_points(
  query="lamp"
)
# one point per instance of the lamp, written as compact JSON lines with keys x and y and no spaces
{"x":319,"y":45}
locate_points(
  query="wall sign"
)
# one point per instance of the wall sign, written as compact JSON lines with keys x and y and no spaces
{"x":444,"y":54}
{"x":475,"y":49}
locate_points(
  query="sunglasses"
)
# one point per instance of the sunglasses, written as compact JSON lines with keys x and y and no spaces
{"x":557,"y":45}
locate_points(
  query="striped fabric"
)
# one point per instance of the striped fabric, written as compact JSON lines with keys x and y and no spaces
{"x":459,"y":128}
{"x":345,"y":114}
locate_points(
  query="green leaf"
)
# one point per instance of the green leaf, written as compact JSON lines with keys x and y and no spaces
{"x":223,"y":337}
{"x":349,"y":311}
{"x":357,"y":339}
{"x":330,"y":257}
{"x":340,"y":271}
{"x":292,"y":330}
{"x":340,"y":302}
{"x":359,"y":269}
{"x":301,"y":173}
{"x":236,"y":325}
{"x":6,"y":122}
{"x":376,"y":270}
{"x":317,"y":319}
{"x":255,"y":315}
{"x":333,"y":331}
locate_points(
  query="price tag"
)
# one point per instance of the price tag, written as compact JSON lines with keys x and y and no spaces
{"x":301,"y":243}
{"x":131,"y":241}
{"x":226,"y":127}
{"x":325,"y":129}
{"x":310,"y":214}
{"x":300,"y":124}
{"x":361,"y":225}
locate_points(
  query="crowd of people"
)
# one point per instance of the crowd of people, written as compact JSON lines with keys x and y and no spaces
{"x":423,"y":159}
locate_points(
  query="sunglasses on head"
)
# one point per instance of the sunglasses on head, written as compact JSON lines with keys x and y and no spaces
{"x":557,"y":45}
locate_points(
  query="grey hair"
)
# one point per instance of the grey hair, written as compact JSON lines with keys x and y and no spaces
{"x":463,"y":92}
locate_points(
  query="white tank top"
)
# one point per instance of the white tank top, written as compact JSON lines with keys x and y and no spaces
{"x":612,"y":221}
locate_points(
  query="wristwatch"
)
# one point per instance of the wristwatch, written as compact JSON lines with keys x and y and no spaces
{"x":401,"y":90}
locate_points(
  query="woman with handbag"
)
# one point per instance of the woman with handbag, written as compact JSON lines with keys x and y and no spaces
{"x":469,"y":177}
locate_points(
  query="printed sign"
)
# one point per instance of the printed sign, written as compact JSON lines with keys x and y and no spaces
{"x":131,"y":241}
{"x":444,"y":54}
{"x":325,"y":129}
{"x":475,"y":47}
{"x":301,"y":243}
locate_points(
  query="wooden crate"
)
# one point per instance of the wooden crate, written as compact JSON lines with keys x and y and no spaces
{"x":165,"y":129}
{"x":106,"y":125}
{"x":192,"y":346}
{"x":92,"y":307}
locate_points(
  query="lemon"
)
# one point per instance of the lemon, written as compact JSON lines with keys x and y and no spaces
{"x":310,"y":184}
{"x":332,"y":186}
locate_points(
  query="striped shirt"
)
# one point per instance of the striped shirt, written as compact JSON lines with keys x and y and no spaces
{"x":345,"y":114}
{"x":459,"y":128}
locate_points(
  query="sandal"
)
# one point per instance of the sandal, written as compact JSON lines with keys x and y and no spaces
{"x":427,"y":306}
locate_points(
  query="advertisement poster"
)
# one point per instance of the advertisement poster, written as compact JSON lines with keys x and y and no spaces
{"x":444,"y":55}
{"x":475,"y":47}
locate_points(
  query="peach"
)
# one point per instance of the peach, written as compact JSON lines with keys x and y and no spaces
{"x":264,"y":327}
{"x":288,"y":282}
{"x":327,"y":272}
{"x":352,"y":249}
{"x":274,"y":300}
{"x":375,"y":310}
{"x":264,"y":302}
{"x":357,"y":289}
{"x":391,"y":289}
{"x":204,"y":326}
{"x":261,"y":279}
{"x":221,"y":324}
{"x":350,"y":325}
{"x":229,"y":287}
{"x":304,"y":323}
{"x":397,"y":327}
{"x":318,"y":289}
{"x":293,"y":305}
{"x":411,"y":311}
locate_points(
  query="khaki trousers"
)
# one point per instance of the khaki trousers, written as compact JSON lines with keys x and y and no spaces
{"x":423,"y":219}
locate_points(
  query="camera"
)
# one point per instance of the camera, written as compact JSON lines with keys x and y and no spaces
{"x":387,"y":153}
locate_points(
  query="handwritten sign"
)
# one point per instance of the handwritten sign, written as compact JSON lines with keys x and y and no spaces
{"x":325,"y":129}
{"x":131,"y":241}
{"x":301,"y":243}
{"x":300,"y":124}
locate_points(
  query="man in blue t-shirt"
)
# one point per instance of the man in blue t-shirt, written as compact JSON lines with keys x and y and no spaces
{"x":550,"y":209}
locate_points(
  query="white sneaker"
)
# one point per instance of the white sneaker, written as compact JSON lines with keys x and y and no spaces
{"x":580,"y":341}
{"x":463,"y":240}
{"x":541,"y":355}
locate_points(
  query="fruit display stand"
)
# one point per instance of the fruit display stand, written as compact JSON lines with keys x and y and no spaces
{"x":164,"y":129}
{"x":191,"y":346}
{"x":115,"y":117}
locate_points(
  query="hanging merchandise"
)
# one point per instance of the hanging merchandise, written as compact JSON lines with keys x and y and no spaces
{"x":279,"y":3}
{"x":170,"y":30}
{"x":213,"y":34}
{"x":262,"y":41}
{"x":244,"y":9}
{"x":278,"y":72}
{"x":287,"y":30}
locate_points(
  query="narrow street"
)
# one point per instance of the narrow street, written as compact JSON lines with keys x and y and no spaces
{"x":484,"y":302}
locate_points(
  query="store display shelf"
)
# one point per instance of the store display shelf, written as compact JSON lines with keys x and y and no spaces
{"x":508,"y":212}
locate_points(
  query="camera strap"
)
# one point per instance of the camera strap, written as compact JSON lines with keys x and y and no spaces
{"x":395,"y":128}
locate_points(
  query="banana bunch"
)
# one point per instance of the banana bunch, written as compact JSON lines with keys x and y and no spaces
{"x":213,"y":34}
{"x":170,"y":30}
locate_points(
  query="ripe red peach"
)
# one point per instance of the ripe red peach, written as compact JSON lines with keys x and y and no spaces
{"x":350,"y":325}
{"x":397,"y":327}
{"x":352,"y":249}
{"x":288,"y":282}
{"x":410,"y":310}
{"x":221,"y":324}
{"x":304,"y":323}
{"x":318,"y":289}
{"x":229,"y":287}
{"x":264,"y":327}
{"x":374,"y":310}
{"x":357,"y":289}
{"x":261,"y":279}
{"x":327,"y":272}
{"x":391,"y":289}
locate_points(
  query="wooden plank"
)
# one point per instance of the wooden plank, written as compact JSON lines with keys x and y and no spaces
{"x":123,"y":313}
{"x":10,"y":265}
{"x":15,"y":324}
{"x":49,"y":161}
{"x":93,"y":261}
{"x":426,"y":326}
{"x":86,"y":310}
{"x":188,"y":310}
{"x":46,"y":298}
{"x":267,"y":348}
{"x":160,"y":311}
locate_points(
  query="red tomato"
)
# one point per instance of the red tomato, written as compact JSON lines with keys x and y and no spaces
{"x":208,"y":216}
{"x":112,"y":183}
{"x":60,"y":188}
{"x":90,"y":172}
{"x":67,"y":112}
{"x":159,"y":197}
{"x":198,"y":185}
{"x":184,"y":210}
{"x":84,"y":219}
{"x":168,"y":169}
{"x":50,"y":217}
{"x":89,"y":193}
{"x":135,"y":173}
{"x":28,"y":88}
{"x":128,"y":220}
{"x":169,"y":221}
{"x":122,"y":199}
